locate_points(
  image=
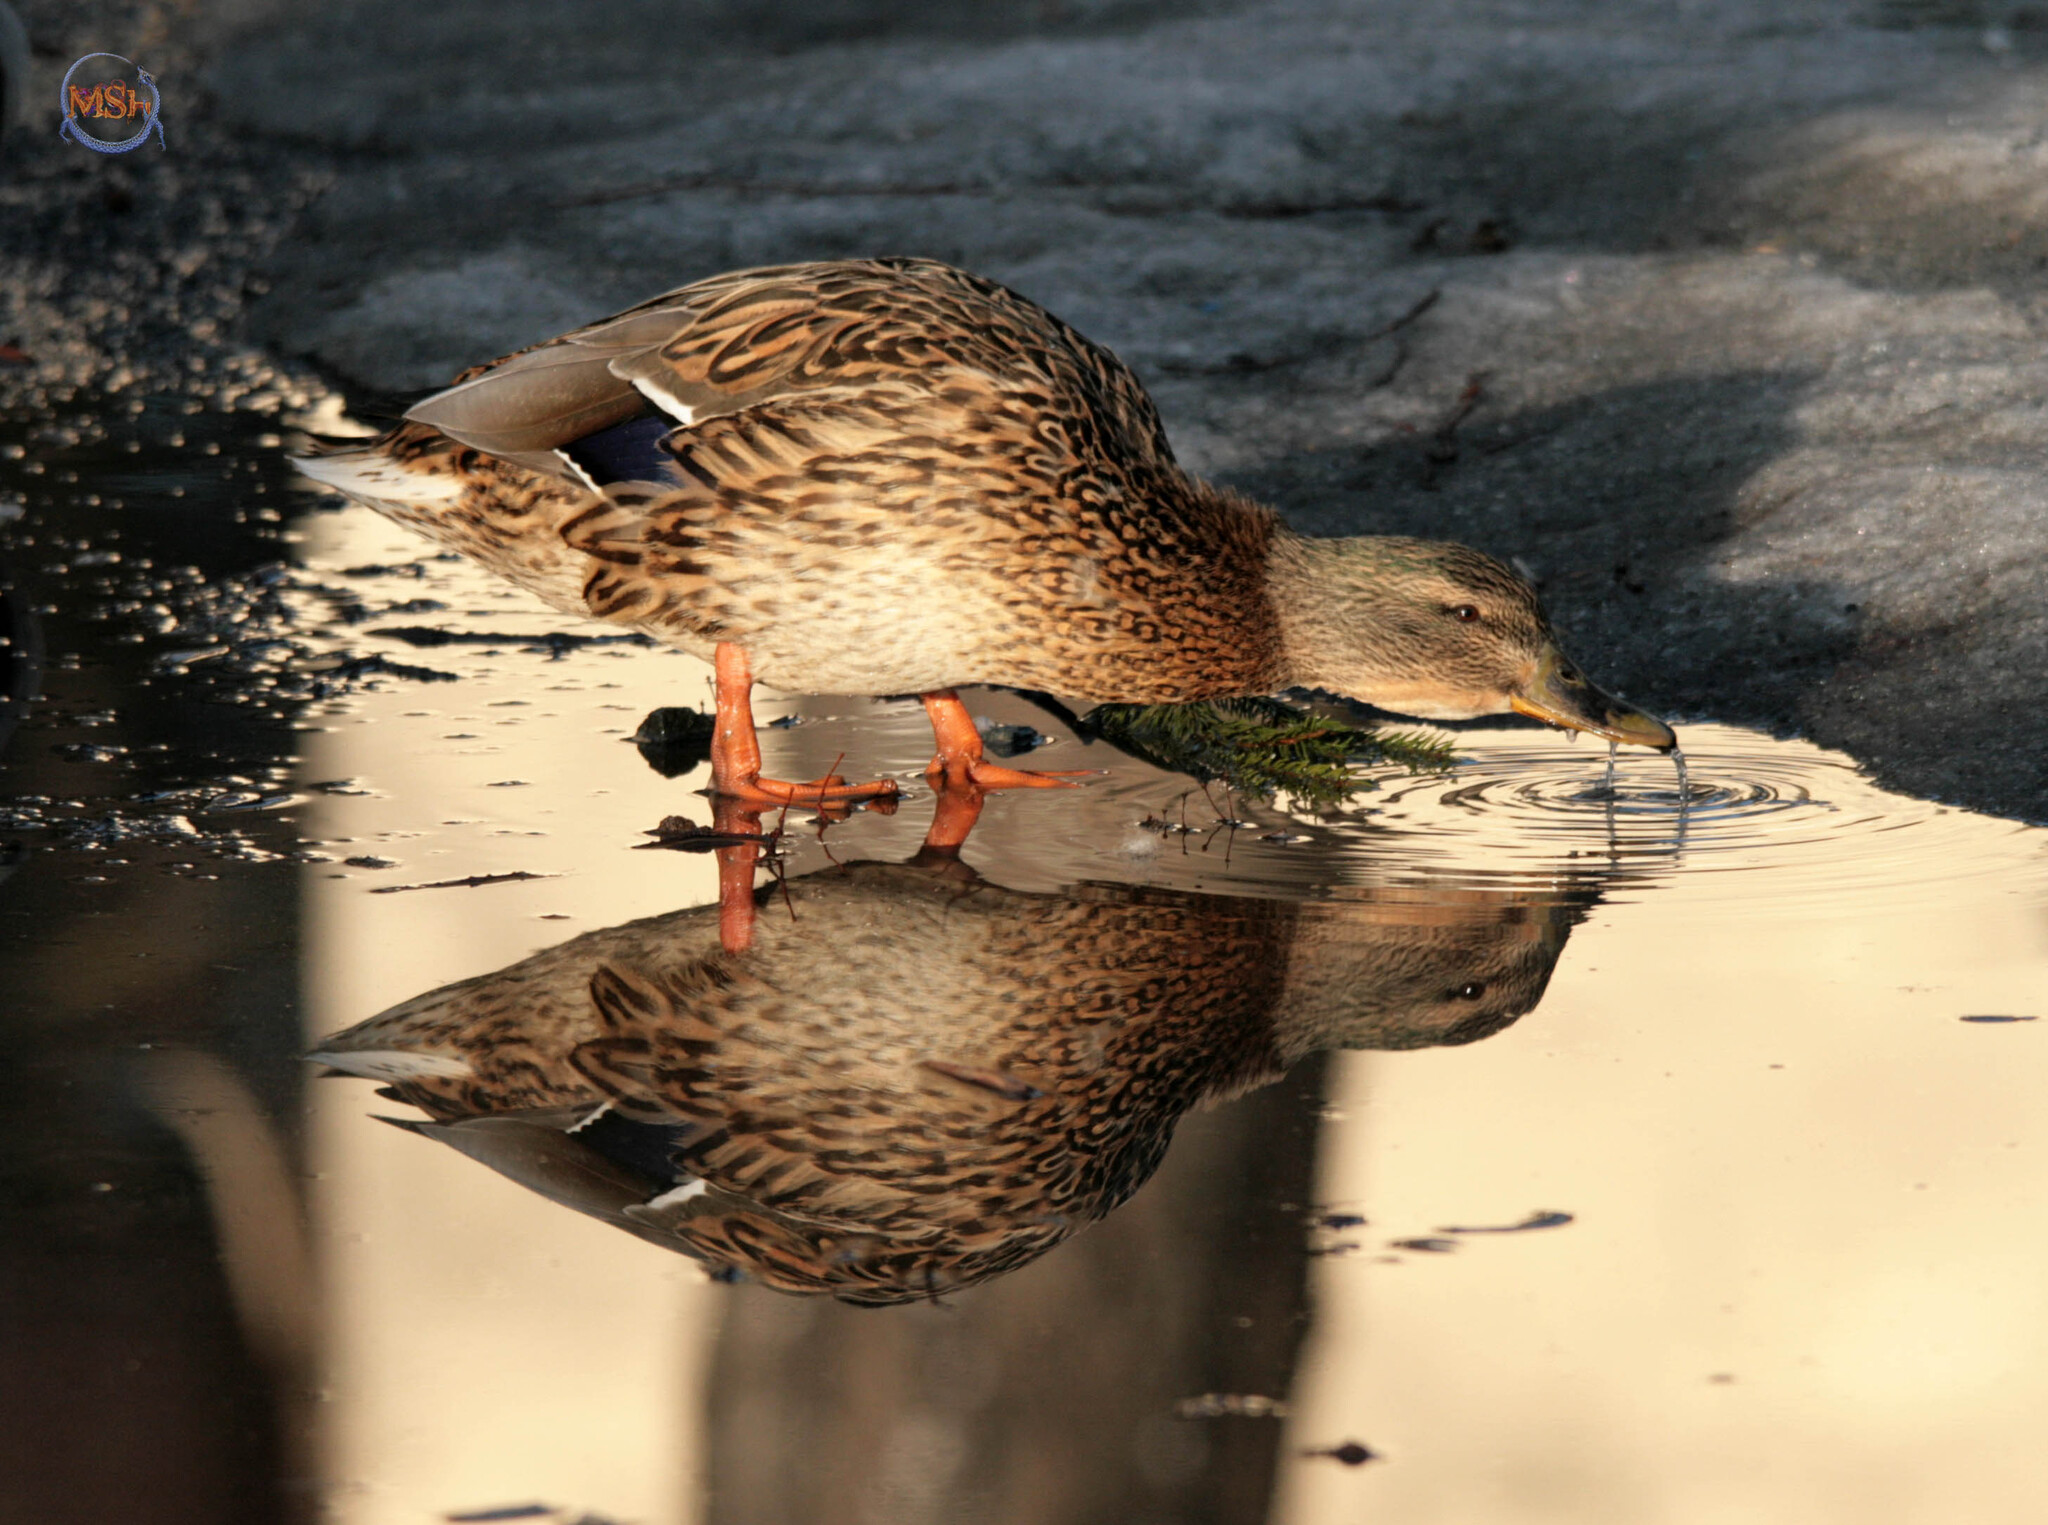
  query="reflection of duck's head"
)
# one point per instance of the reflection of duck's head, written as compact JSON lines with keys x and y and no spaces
{"x":914,"y":1080}
{"x":1418,"y":968}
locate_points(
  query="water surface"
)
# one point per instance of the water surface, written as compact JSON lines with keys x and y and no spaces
{"x":1784,"y":1179}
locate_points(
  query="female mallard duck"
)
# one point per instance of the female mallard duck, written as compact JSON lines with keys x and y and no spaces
{"x":916,"y":1079}
{"x":890,"y":476}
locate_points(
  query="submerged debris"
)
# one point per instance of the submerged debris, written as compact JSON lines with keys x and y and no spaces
{"x":675,"y":739}
{"x":86,"y":751}
{"x":1537,"y":1219}
{"x":339,"y":786}
{"x":681,"y":834}
{"x":1231,"y":1406}
{"x":1442,"y":1242}
{"x":556,"y":643}
{"x":470,"y":883}
{"x":77,"y":825}
{"x":1009,"y":740}
{"x":347,"y":669}
{"x":1351,"y":1453}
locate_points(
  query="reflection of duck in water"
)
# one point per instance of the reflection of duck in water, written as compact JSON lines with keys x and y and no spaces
{"x":914,"y":1080}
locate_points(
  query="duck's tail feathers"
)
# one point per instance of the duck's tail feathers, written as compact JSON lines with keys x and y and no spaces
{"x":392,"y":1064}
{"x":370,"y":473}
{"x":319,"y":445}
{"x":389,"y":409}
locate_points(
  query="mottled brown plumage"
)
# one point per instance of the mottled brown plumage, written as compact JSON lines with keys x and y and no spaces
{"x":915,"y":1080}
{"x":891,"y":476}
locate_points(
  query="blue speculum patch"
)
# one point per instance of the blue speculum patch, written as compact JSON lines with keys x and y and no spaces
{"x":628,"y":452}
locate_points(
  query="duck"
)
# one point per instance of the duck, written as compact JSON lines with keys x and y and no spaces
{"x":918,"y":1079}
{"x":891,"y":476}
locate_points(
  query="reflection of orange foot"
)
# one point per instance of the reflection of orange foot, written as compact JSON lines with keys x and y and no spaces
{"x":736,"y":865}
{"x":958,"y":810}
{"x":960,"y":764}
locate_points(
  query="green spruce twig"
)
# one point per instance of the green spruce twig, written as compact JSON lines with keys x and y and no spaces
{"x":1264,"y":747}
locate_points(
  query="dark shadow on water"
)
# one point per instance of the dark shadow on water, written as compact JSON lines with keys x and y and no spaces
{"x":138,"y":1388}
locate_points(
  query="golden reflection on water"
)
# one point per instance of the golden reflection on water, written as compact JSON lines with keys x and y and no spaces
{"x":1803,"y":1278}
{"x":481,"y":1347}
{"x":1799,"y":1282}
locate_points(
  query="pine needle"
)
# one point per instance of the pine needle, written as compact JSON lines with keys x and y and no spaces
{"x":1265,"y":748}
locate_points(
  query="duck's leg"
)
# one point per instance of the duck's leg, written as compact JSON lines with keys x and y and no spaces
{"x":959,"y":763}
{"x":736,"y":750}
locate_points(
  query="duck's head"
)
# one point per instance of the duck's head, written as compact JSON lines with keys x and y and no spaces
{"x":1440,"y":631}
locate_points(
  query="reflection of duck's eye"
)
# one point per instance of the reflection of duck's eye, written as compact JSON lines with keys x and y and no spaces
{"x":1465,"y":614}
{"x":1471,"y":990}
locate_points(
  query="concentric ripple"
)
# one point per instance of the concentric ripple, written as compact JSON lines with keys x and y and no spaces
{"x":1727,"y":795}
{"x":1805,"y":817}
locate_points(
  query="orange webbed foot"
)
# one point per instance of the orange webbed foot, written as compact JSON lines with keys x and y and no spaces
{"x":978,"y":773}
{"x":753,"y":792}
{"x":960,"y":763}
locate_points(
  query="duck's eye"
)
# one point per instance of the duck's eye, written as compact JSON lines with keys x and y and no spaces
{"x":1471,"y":990}
{"x":1465,"y":614}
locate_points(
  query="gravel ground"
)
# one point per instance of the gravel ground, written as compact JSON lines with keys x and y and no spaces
{"x":1723,"y":317}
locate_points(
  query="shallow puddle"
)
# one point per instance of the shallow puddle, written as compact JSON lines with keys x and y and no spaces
{"x":1677,"y":1170}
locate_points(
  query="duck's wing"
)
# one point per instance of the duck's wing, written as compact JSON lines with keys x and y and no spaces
{"x":841,"y":329}
{"x":775,"y":1111}
{"x":769,"y":504}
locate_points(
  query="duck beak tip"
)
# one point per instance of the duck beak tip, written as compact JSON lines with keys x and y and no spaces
{"x":1559,"y":696}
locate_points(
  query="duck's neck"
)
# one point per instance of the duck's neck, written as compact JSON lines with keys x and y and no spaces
{"x":1323,"y":595}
